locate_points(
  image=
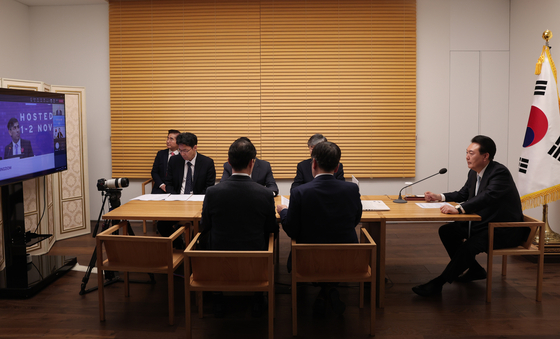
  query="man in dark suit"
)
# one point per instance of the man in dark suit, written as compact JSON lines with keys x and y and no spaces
{"x":303,"y":173}
{"x":324,"y":210}
{"x":192,"y":172}
{"x":262,"y":173}
{"x":489,"y":192}
{"x":159,"y":168}
{"x":17,"y":147}
{"x":238,"y":213}
{"x":202,"y":171}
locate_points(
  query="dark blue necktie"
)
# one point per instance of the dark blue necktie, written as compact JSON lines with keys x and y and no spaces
{"x":188,"y":183}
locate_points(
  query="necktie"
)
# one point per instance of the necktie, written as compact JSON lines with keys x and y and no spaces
{"x":478,"y":178}
{"x":188,"y":183}
{"x":17,"y":149}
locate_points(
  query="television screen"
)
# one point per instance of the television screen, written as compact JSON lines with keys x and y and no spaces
{"x":32,"y":134}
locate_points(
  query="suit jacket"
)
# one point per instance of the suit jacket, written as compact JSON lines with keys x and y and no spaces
{"x":262,"y":174}
{"x":324,"y":210}
{"x":304,"y":174}
{"x":238,"y":214}
{"x":159,"y":170}
{"x":204,"y":174}
{"x":497,"y":198}
{"x":27,"y":150}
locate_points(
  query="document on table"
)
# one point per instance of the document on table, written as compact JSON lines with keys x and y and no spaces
{"x":152,"y":197}
{"x":432,"y":204}
{"x":284,"y":201}
{"x":374,"y":205}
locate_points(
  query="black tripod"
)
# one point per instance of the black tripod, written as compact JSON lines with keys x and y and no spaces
{"x":114,"y":196}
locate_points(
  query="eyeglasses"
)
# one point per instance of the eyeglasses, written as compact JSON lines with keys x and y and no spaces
{"x":185,"y":151}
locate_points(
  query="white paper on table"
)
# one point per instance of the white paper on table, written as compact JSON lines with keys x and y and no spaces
{"x":152,"y":197}
{"x":284,"y":201}
{"x":374,"y":205}
{"x":196,"y":197}
{"x":432,"y":204}
{"x":178,"y":197}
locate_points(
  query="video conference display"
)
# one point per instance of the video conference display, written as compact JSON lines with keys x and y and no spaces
{"x":32,"y":134}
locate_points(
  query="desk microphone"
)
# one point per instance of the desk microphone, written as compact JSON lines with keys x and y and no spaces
{"x":400,"y":200}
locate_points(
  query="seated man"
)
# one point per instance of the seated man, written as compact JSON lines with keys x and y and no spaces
{"x":192,"y":172}
{"x":489,"y":192}
{"x":303,"y":173}
{"x":262,"y":173}
{"x":238,"y":214}
{"x":324,"y":210}
{"x":159,"y":169}
{"x":17,"y":147}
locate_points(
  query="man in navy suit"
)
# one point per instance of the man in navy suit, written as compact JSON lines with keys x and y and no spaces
{"x":238,"y":213}
{"x":17,"y":147}
{"x":159,"y":168}
{"x":192,"y":172}
{"x":303,"y":173}
{"x":324,"y":210}
{"x":262,"y":173}
{"x":489,"y":192}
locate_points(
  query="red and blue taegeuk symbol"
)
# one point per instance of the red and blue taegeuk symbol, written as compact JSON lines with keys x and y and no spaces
{"x":536,"y":127}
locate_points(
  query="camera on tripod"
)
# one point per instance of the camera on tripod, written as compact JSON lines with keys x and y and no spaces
{"x":104,"y":185}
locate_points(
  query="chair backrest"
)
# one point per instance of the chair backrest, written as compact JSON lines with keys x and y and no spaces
{"x":138,"y":252}
{"x":230,"y":266}
{"x":340,"y":261}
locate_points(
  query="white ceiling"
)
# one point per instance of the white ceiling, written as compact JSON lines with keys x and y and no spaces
{"x":61,"y":2}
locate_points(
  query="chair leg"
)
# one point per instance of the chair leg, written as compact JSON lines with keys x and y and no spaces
{"x":361,"y":295}
{"x":144,"y":226}
{"x":294,"y":307}
{"x":187,"y":299}
{"x":101,"y":294}
{"x":489,"y":277}
{"x":540,"y":272}
{"x":504,"y":265}
{"x":170,"y":297}
{"x":373,"y":306}
{"x":271,"y":312}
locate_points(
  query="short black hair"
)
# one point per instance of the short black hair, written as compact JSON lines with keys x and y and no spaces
{"x":327,"y":155}
{"x":187,"y":139}
{"x":240,"y":153}
{"x":173,"y":131}
{"x":12,"y":122}
{"x":487,"y":145}
{"x":315,"y":139}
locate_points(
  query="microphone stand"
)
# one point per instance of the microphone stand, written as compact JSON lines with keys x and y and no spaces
{"x":400,"y":200}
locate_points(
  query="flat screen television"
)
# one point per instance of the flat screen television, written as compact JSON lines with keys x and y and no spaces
{"x":32,"y":134}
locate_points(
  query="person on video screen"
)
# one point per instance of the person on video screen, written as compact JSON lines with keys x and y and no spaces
{"x":17,"y":147}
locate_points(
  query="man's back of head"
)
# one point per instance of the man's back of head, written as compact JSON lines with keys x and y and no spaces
{"x":241,"y":153}
{"x":327,"y":154}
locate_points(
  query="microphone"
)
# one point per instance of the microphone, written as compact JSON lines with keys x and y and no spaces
{"x":400,"y":200}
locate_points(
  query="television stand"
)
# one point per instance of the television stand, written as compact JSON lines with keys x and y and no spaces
{"x":24,"y":280}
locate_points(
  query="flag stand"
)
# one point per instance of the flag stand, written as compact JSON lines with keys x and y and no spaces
{"x":551,"y":238}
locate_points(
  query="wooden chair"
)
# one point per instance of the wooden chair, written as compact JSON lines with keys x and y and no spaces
{"x":335,"y":263}
{"x":144,"y":184}
{"x":228,"y":271}
{"x":127,"y":253}
{"x":527,"y":248}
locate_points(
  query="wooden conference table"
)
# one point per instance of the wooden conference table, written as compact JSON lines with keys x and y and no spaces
{"x":374,"y":221}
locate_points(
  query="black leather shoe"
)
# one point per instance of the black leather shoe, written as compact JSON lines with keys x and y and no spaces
{"x":471,"y":276}
{"x":428,"y":289}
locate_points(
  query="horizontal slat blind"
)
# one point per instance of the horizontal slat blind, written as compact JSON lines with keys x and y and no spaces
{"x":274,"y":71}
{"x":345,"y":69}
